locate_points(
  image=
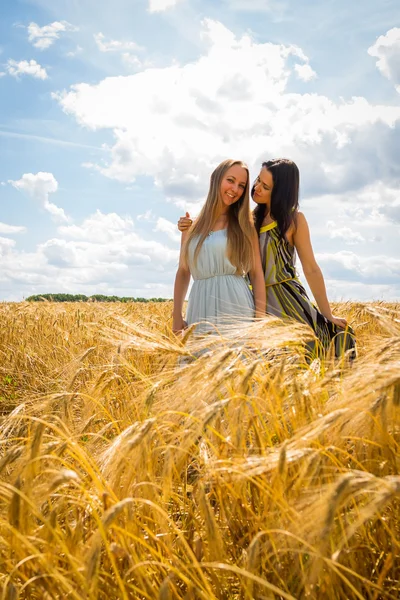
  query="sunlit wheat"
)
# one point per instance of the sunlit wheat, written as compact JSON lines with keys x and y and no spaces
{"x":138,"y":465}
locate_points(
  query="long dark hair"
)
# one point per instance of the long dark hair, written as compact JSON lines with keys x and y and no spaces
{"x":284,"y":196}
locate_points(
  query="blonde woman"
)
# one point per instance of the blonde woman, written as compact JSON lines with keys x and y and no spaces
{"x":218,"y":250}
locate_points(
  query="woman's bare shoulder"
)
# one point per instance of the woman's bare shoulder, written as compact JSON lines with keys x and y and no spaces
{"x":298,"y":222}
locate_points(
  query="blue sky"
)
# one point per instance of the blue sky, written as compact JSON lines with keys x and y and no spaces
{"x":114,"y":114}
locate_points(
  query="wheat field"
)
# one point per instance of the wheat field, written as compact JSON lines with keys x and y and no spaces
{"x":138,"y":465}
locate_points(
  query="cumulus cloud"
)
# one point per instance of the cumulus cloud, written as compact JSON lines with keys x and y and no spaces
{"x":117,"y":236}
{"x":120,"y":260}
{"x":387,"y":50}
{"x":344,"y":234}
{"x":6,"y":244}
{"x":161,"y":5}
{"x":73,"y":53}
{"x":10,"y":229}
{"x":233,"y":101}
{"x":305,"y":72}
{"x":392,"y":212}
{"x":61,"y":253}
{"x":169,"y":228}
{"x":124,"y":48}
{"x":251,"y":5}
{"x":361,"y":219}
{"x":99,"y":227}
{"x":39,"y":187}
{"x":349,"y":266}
{"x":102,"y":254}
{"x":114,"y":45}
{"x":131,"y":60}
{"x":25,"y":67}
{"x":44,"y":37}
{"x":376,"y":203}
{"x":147,"y":216}
{"x":361,"y":291}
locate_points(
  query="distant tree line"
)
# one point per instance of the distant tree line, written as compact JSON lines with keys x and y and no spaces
{"x":94,"y":298}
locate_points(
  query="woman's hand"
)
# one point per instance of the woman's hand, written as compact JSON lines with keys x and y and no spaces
{"x":339,"y":321}
{"x":179,"y":325}
{"x":184,"y":223}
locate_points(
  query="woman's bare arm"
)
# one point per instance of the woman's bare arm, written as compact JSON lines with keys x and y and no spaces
{"x":182,"y":280}
{"x":312,"y":272}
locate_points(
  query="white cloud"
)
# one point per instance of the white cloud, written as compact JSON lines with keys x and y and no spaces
{"x":39,"y":187}
{"x":251,"y":5}
{"x":364,"y":219}
{"x":375,"y":204}
{"x":103,"y":254}
{"x":305,"y":72}
{"x":170,"y":229}
{"x":44,"y":37}
{"x":117,"y":236}
{"x":6,"y":245}
{"x":392,"y":212}
{"x":147,"y":216}
{"x":387,"y":50}
{"x":114,"y":45}
{"x":24,"y":67}
{"x":361,"y":291}
{"x":348,"y":266}
{"x":124,"y":48}
{"x":98,"y":227}
{"x":161,"y":5}
{"x":232,"y":101}
{"x":10,"y":229}
{"x":73,"y":53}
{"x":131,"y":60}
{"x":344,"y":234}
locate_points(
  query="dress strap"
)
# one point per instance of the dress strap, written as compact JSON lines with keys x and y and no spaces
{"x":269,"y":226}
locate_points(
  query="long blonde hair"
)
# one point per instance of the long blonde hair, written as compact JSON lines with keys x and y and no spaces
{"x":240,"y":221}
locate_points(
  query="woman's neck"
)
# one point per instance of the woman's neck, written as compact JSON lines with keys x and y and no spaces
{"x":220,"y":222}
{"x":221,"y":218}
{"x":268,"y":218}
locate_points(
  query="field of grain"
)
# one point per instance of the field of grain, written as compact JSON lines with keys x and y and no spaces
{"x":135,"y":465}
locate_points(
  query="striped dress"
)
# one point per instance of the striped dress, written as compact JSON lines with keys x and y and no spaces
{"x":287,"y":298}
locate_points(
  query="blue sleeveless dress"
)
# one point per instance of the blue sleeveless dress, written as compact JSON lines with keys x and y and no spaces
{"x":219,"y":297}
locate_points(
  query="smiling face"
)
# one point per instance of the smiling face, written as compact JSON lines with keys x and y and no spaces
{"x":263,"y":186}
{"x":233,"y":185}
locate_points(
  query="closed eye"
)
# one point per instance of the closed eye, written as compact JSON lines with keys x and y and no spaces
{"x":266,"y":188}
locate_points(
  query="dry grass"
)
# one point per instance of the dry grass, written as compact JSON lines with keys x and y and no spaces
{"x":130,"y":470}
